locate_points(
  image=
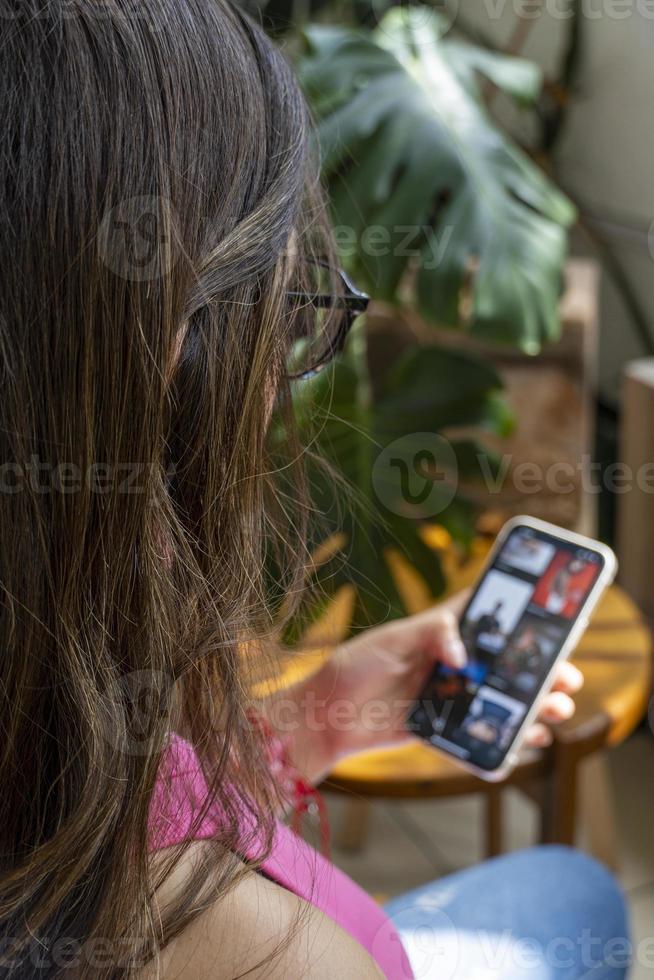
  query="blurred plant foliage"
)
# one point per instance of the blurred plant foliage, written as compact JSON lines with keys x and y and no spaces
{"x":435,"y":209}
{"x":378,"y":470}
{"x":408,"y":147}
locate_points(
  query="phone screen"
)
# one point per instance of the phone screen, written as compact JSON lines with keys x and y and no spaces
{"x":514,"y":626}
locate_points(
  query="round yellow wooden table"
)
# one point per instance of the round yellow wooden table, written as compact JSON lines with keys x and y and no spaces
{"x":615,"y":656}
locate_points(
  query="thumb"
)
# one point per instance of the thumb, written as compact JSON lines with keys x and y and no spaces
{"x":442,"y":638}
{"x":451,"y":649}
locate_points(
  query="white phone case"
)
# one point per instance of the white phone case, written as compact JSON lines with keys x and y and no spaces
{"x":603,"y":581}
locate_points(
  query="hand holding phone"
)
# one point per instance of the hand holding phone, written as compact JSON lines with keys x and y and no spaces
{"x":525,"y":615}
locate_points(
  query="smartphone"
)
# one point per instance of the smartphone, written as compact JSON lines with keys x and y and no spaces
{"x":527,"y":613}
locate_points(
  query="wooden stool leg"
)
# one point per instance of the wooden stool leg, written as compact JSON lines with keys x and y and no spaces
{"x":559,"y":807}
{"x":598,"y":808}
{"x":494,"y":829}
{"x":352,"y":833}
{"x":559,"y":811}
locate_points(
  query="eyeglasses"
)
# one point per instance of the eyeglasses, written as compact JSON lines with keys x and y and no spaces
{"x":350,"y":302}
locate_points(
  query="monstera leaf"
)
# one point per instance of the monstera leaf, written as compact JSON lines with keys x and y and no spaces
{"x":391,"y":461}
{"x":419,"y":176}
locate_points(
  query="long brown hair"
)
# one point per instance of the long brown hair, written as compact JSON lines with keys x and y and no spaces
{"x":153,"y":171}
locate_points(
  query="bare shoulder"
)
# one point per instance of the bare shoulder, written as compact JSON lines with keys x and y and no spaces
{"x":262,"y":930}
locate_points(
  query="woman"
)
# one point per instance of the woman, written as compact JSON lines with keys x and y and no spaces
{"x":159,"y":233}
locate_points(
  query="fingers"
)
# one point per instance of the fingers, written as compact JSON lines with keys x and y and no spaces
{"x":556,"y":707}
{"x":568,"y":678}
{"x":442,"y":623}
{"x":539,"y":736}
{"x":439,"y":631}
{"x":449,"y":645}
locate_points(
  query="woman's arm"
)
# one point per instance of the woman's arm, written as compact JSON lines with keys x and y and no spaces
{"x":361,"y":697}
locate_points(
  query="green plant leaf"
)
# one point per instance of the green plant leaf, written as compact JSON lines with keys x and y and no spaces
{"x":421,"y":177}
{"x":517,"y":77}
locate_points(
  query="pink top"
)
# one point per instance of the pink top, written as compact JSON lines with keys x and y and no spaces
{"x":292,"y":863}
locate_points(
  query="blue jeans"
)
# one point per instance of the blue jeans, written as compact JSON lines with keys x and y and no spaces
{"x":549,"y":913}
